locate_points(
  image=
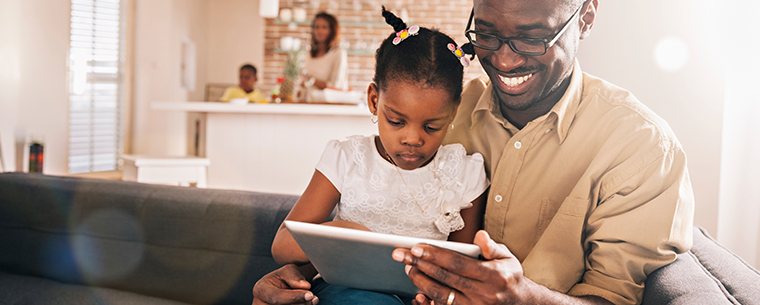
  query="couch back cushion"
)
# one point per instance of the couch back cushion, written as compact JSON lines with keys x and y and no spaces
{"x":707,"y":274}
{"x":199,"y":246}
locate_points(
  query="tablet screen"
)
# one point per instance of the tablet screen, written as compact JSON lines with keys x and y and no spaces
{"x":362,"y":259}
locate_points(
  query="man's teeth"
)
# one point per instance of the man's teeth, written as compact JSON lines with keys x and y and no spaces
{"x":514,"y":81}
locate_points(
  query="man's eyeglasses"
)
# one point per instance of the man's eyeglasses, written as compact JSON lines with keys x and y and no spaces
{"x":519,"y":45}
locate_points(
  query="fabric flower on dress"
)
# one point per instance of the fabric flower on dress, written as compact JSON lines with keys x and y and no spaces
{"x":450,"y":200}
{"x":450,"y":219}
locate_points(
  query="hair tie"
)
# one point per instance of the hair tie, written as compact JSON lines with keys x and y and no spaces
{"x":405,"y":33}
{"x":469,"y":49}
{"x":457,"y":51}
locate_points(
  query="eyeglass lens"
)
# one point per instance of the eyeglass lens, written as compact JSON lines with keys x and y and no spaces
{"x":492,"y":42}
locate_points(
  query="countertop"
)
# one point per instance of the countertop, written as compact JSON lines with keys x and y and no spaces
{"x":268,"y":108}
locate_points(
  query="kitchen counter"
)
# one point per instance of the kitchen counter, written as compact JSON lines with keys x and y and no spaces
{"x":269,"y":108}
{"x":269,"y":147}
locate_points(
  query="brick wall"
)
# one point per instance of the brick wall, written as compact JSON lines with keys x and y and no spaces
{"x":362,"y":29}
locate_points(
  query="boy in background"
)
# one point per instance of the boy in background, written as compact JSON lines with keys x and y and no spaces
{"x":245,"y":88}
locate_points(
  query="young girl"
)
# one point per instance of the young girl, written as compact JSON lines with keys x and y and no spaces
{"x":402,"y":181}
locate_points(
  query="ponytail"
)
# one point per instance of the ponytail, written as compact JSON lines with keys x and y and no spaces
{"x":393,"y":21}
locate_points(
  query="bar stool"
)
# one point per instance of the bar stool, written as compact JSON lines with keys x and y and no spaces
{"x":182,"y":171}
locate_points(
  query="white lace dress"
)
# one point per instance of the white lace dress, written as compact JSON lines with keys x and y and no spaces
{"x":374,"y":195}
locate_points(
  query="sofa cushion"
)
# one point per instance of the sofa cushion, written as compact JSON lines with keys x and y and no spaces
{"x":199,"y":246}
{"x":29,"y":290}
{"x":708,"y":274}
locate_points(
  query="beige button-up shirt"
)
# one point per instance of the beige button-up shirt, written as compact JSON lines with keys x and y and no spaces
{"x":590,"y":197}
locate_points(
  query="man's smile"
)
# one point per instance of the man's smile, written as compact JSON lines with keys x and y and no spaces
{"x":514,"y":81}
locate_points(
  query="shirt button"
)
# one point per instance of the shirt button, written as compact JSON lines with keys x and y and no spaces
{"x":497,"y":198}
{"x":518,"y":144}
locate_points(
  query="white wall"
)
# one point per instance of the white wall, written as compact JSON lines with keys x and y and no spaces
{"x":621,"y":50}
{"x":33,"y":78}
{"x":226,"y":33}
{"x":738,"y":226}
{"x":160,"y":27}
{"x":9,"y":79}
{"x":236,"y":36}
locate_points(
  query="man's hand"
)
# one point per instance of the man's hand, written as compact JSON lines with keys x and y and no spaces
{"x":496,"y":280}
{"x":283,"y":286}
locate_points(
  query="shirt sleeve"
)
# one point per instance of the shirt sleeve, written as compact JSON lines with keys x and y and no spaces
{"x":227,"y":95}
{"x":475,"y":175}
{"x":332,"y":164}
{"x":642,"y":221}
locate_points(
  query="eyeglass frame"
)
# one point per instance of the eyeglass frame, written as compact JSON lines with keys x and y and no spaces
{"x":507,"y":40}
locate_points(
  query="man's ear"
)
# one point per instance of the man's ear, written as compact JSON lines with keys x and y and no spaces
{"x":588,"y":17}
{"x":372,"y":98}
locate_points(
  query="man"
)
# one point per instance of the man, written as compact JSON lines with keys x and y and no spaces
{"x":590,"y":191}
{"x":246,"y":86}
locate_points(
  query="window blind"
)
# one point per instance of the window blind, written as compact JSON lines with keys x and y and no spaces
{"x":95,"y":85}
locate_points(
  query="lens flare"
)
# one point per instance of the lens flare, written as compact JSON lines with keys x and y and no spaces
{"x":671,"y":54}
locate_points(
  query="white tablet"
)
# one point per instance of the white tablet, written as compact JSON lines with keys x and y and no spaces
{"x":362,"y":259}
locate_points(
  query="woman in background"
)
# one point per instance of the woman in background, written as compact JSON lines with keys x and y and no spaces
{"x":326,"y":65}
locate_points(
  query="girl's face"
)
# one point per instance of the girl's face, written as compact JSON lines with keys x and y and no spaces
{"x":321,"y":30}
{"x":411,"y":120}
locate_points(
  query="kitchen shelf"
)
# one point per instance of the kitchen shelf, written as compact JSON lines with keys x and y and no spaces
{"x":358,"y":52}
{"x":368,"y":24}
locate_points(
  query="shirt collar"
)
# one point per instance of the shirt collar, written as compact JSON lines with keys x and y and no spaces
{"x":487,"y":105}
{"x":567,"y":106}
{"x":564,"y":110}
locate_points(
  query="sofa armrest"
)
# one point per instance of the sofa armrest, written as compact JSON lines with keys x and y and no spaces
{"x":707,"y":274}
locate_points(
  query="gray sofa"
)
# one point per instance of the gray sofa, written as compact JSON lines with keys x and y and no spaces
{"x":87,"y":241}
{"x":70,"y":240}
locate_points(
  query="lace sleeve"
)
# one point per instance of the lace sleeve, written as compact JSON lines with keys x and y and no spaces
{"x":332,"y":164}
{"x":461,"y":179}
{"x":474,"y":173}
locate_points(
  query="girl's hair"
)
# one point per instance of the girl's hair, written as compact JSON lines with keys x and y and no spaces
{"x":423,"y":58}
{"x":332,"y":39}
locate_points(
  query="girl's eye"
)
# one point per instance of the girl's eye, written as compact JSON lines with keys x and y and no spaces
{"x":394,"y":123}
{"x":432,"y":129}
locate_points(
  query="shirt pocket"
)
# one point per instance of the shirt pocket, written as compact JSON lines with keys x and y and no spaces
{"x":557,"y":261}
{"x":546,"y":213}
{"x":572,"y":207}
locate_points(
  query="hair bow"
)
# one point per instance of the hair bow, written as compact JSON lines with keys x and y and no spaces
{"x":405,"y":33}
{"x":457,"y":51}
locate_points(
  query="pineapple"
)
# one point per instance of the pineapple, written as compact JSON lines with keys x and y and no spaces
{"x":292,"y":70}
